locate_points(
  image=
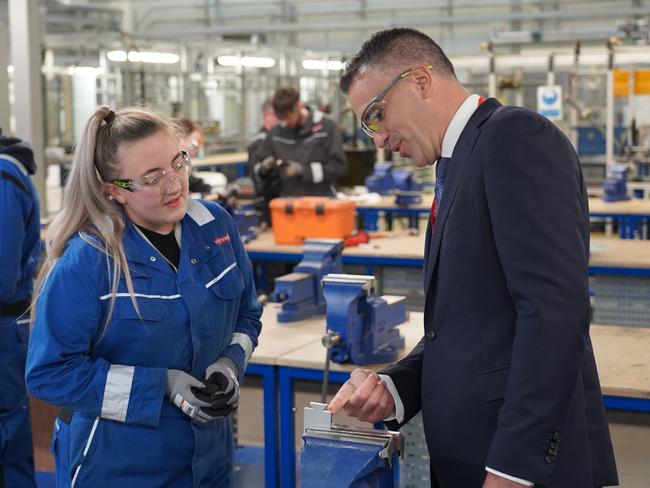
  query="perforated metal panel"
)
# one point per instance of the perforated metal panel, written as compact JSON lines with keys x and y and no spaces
{"x":621,"y":300}
{"x":414,"y":468}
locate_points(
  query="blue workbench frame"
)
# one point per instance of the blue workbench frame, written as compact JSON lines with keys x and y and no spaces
{"x":627,"y":224}
{"x":269,"y":387}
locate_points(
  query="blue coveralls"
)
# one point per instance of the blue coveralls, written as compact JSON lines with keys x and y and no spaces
{"x":123,"y":431}
{"x":19,"y":254}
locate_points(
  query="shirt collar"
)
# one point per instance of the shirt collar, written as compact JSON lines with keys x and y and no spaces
{"x":457,"y":124}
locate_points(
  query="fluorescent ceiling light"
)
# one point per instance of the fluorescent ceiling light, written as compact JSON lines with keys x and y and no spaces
{"x":143,"y":57}
{"x":153,"y":57}
{"x":83,"y":71}
{"x":10,"y":68}
{"x":319,"y":64}
{"x":117,"y":56}
{"x":229,"y":60}
{"x":248,"y":61}
{"x":257,"y":62}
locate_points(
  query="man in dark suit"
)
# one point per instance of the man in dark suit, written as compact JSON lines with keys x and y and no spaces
{"x":505,"y":374}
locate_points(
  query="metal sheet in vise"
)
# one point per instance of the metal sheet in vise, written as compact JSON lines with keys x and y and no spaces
{"x":342,"y":456}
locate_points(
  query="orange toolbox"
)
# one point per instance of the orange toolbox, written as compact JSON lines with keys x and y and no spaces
{"x":295,"y":219}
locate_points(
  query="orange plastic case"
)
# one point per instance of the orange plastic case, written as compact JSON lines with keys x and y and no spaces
{"x":295,"y":219}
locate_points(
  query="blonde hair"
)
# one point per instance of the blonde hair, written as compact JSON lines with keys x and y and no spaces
{"x":86,"y":208}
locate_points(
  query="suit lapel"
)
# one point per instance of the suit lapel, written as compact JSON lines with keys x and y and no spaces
{"x":455,"y":171}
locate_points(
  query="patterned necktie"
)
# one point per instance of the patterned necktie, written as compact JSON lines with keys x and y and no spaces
{"x":441,"y":176}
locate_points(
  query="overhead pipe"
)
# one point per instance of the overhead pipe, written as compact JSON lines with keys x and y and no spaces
{"x":374,"y":24}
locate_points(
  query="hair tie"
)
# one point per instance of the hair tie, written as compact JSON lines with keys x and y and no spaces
{"x":110,"y":117}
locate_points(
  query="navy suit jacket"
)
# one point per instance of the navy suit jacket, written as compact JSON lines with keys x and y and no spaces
{"x":505,"y":373}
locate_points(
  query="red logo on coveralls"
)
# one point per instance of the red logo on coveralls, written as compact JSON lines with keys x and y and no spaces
{"x":221,"y":240}
{"x":316,"y":128}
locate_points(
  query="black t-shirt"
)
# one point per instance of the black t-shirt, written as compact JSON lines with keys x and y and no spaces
{"x":165,"y":243}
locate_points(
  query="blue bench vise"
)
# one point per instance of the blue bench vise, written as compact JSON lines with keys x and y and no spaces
{"x":381,"y":180}
{"x":361,"y":325}
{"x":385,"y":180}
{"x":300,"y":292}
{"x":342,"y":456}
{"x":615,"y":185}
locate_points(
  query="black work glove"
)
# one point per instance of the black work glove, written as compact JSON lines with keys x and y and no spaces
{"x":221,"y":390}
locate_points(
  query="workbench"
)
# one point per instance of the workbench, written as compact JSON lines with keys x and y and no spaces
{"x":238,"y":159}
{"x":621,"y":356}
{"x":608,"y":255}
{"x":632,"y":215}
{"x":370,"y":211}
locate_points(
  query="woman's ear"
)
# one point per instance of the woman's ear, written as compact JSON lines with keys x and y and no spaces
{"x":113,"y":192}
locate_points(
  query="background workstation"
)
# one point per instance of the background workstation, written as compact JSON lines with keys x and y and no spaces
{"x":215,"y":62}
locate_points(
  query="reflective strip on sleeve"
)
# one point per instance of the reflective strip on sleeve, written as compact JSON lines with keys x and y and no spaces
{"x":117,"y":392}
{"x":317,"y":171}
{"x":221,"y":275}
{"x":245,"y":343}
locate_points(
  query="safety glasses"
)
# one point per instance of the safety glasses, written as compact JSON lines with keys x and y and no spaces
{"x":373,"y":114}
{"x":158,"y":182}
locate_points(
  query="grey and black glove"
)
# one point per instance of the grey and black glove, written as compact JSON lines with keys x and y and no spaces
{"x":179,"y":390}
{"x":221,"y":391}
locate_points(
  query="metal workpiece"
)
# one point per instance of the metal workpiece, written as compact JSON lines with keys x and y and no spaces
{"x":342,"y":456}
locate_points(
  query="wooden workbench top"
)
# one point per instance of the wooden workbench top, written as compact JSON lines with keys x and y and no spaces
{"x":597,"y":205}
{"x":402,"y":246}
{"x":278,"y":339}
{"x":623,"y":359}
{"x":612,"y":252}
{"x":635,"y":206}
{"x":605,"y":252}
{"x":388,"y":201}
{"x":621,"y":352}
{"x":223,"y":159}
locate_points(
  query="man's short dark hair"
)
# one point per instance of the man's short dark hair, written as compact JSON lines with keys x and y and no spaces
{"x":285,"y":100}
{"x":401,"y":48}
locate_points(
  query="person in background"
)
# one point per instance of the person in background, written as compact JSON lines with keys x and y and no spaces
{"x":505,"y":374}
{"x":305,"y":149}
{"x":192,"y":137}
{"x":20,"y":252}
{"x":145,"y":315}
{"x":269,"y":187}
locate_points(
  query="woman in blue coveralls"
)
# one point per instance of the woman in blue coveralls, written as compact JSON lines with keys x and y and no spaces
{"x":145,"y":318}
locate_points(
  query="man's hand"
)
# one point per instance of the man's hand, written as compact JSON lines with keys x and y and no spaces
{"x":292,"y":169}
{"x":494,"y":481}
{"x":364,"y":396}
